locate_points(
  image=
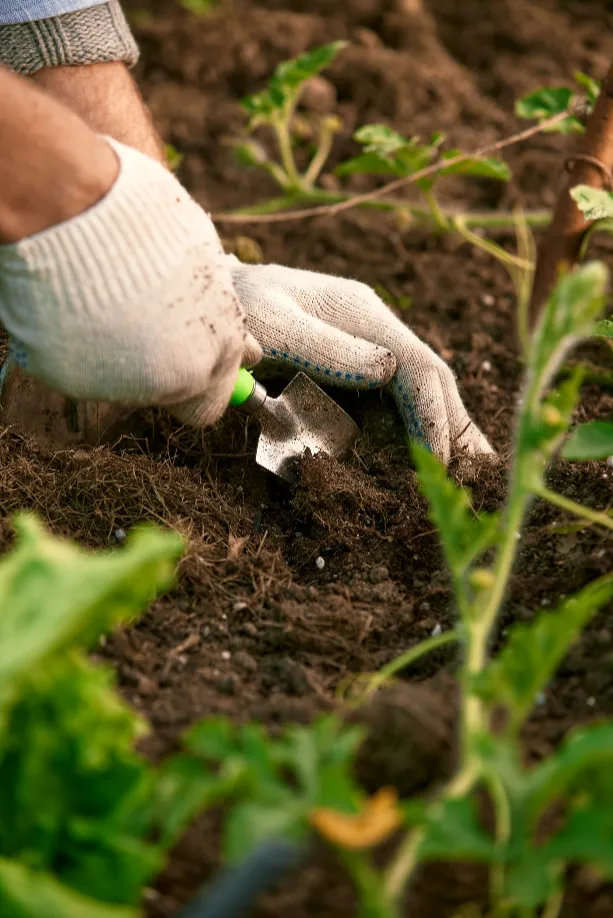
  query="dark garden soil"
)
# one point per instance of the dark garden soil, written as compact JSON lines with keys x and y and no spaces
{"x":254,"y":629}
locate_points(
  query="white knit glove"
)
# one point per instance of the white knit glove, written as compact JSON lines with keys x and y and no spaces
{"x":130,"y":302}
{"x":340,"y":331}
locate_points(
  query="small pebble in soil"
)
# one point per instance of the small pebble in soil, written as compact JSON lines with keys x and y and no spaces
{"x":486,"y":366}
{"x":437,"y":630}
{"x":320,"y":563}
{"x":120,"y":535}
{"x":591,"y":701}
{"x":601,"y":553}
{"x":239,"y":607}
{"x":487,"y":299}
{"x":610,"y":461}
{"x":225,"y":655}
{"x":545,"y":602}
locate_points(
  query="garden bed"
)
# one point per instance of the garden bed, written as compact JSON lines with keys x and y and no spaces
{"x":255,"y":629}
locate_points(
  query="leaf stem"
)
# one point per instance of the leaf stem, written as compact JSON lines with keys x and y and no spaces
{"x":439,"y":218}
{"x":409,"y":657}
{"x":565,"y":503}
{"x":320,"y":158}
{"x":286,"y":152}
{"x":553,"y":906}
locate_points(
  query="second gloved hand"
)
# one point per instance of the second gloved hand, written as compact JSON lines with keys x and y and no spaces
{"x":340,"y":331}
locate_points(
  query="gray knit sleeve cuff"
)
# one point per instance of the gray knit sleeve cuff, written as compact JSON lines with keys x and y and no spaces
{"x":89,"y":36}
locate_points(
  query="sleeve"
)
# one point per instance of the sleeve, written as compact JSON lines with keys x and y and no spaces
{"x":33,"y":35}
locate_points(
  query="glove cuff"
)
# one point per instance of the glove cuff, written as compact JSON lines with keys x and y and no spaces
{"x":94,"y":35}
{"x":128,"y":243}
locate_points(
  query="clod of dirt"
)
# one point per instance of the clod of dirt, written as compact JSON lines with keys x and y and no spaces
{"x":410,"y":744}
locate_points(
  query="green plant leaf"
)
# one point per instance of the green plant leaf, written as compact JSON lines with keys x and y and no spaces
{"x":55,"y":595}
{"x":534,"y":651}
{"x":381,"y":139}
{"x":371,"y":164}
{"x":488,"y":167}
{"x":604,"y":328}
{"x":28,"y":893}
{"x":293,"y":73}
{"x":284,"y":85}
{"x":199,"y":7}
{"x":250,"y":823}
{"x":590,"y":441}
{"x":591,"y":86}
{"x":465,"y":536}
{"x":452,"y":832}
{"x":569,"y":315}
{"x":594,"y":203}
{"x":212,"y":740}
{"x":545,"y":103}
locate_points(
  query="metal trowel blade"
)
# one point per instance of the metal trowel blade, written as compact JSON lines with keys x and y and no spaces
{"x":302,"y":418}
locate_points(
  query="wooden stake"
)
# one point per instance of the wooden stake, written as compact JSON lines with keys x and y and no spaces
{"x":592,"y":165}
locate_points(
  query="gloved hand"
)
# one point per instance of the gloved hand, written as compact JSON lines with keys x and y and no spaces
{"x":340,"y":331}
{"x":132,"y":301}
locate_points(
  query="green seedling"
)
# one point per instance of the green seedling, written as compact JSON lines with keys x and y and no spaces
{"x":199,"y":8}
{"x":543,"y":104}
{"x":384,"y":153}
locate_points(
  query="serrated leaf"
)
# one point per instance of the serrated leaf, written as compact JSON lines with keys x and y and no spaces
{"x":534,"y":651}
{"x":452,"y":832}
{"x":594,"y":203}
{"x":28,"y":893}
{"x":569,"y":315}
{"x":381,"y":139}
{"x":488,"y":167}
{"x":465,"y":536}
{"x":545,"y":103}
{"x":590,"y":441}
{"x":55,"y":595}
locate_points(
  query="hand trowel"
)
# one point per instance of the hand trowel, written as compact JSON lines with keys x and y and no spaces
{"x":302,"y":418}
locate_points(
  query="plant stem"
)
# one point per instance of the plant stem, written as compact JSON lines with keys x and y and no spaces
{"x":409,"y":657}
{"x":369,"y":886}
{"x":320,"y":158}
{"x":553,"y":906}
{"x":284,"y":140}
{"x":440,"y":221}
{"x":502,"y":813}
{"x":565,"y":503}
{"x":492,"y":220}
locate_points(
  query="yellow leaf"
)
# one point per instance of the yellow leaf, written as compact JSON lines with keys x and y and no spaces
{"x":379,"y":818}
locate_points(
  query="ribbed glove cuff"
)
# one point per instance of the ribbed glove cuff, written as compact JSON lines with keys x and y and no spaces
{"x":89,"y":36}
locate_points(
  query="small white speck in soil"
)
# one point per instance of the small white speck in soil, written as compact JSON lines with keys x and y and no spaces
{"x":320,"y":563}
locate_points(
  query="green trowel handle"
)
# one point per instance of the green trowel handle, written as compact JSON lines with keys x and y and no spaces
{"x":243,"y":388}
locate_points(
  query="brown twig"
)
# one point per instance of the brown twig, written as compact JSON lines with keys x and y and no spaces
{"x":334,"y":209}
{"x":592,"y":166}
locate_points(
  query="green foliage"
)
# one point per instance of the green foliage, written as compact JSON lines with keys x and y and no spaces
{"x":543,"y":104}
{"x":283,"y":89}
{"x":272,"y":785}
{"x":387,"y":153}
{"x":199,"y":7}
{"x":604,"y":328}
{"x":594,"y":203}
{"x":78,"y":822}
{"x":590,"y":441}
{"x":534,"y":651}
{"x":465,"y":536}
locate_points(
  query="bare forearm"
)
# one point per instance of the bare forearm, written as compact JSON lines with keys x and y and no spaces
{"x":83,"y":59}
{"x":107,"y":98}
{"x":53,"y":166}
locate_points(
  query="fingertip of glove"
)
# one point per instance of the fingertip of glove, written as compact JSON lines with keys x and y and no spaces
{"x":381,"y":365}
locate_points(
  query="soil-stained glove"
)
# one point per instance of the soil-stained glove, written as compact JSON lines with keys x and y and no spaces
{"x":340,"y":331}
{"x":132,"y":301}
